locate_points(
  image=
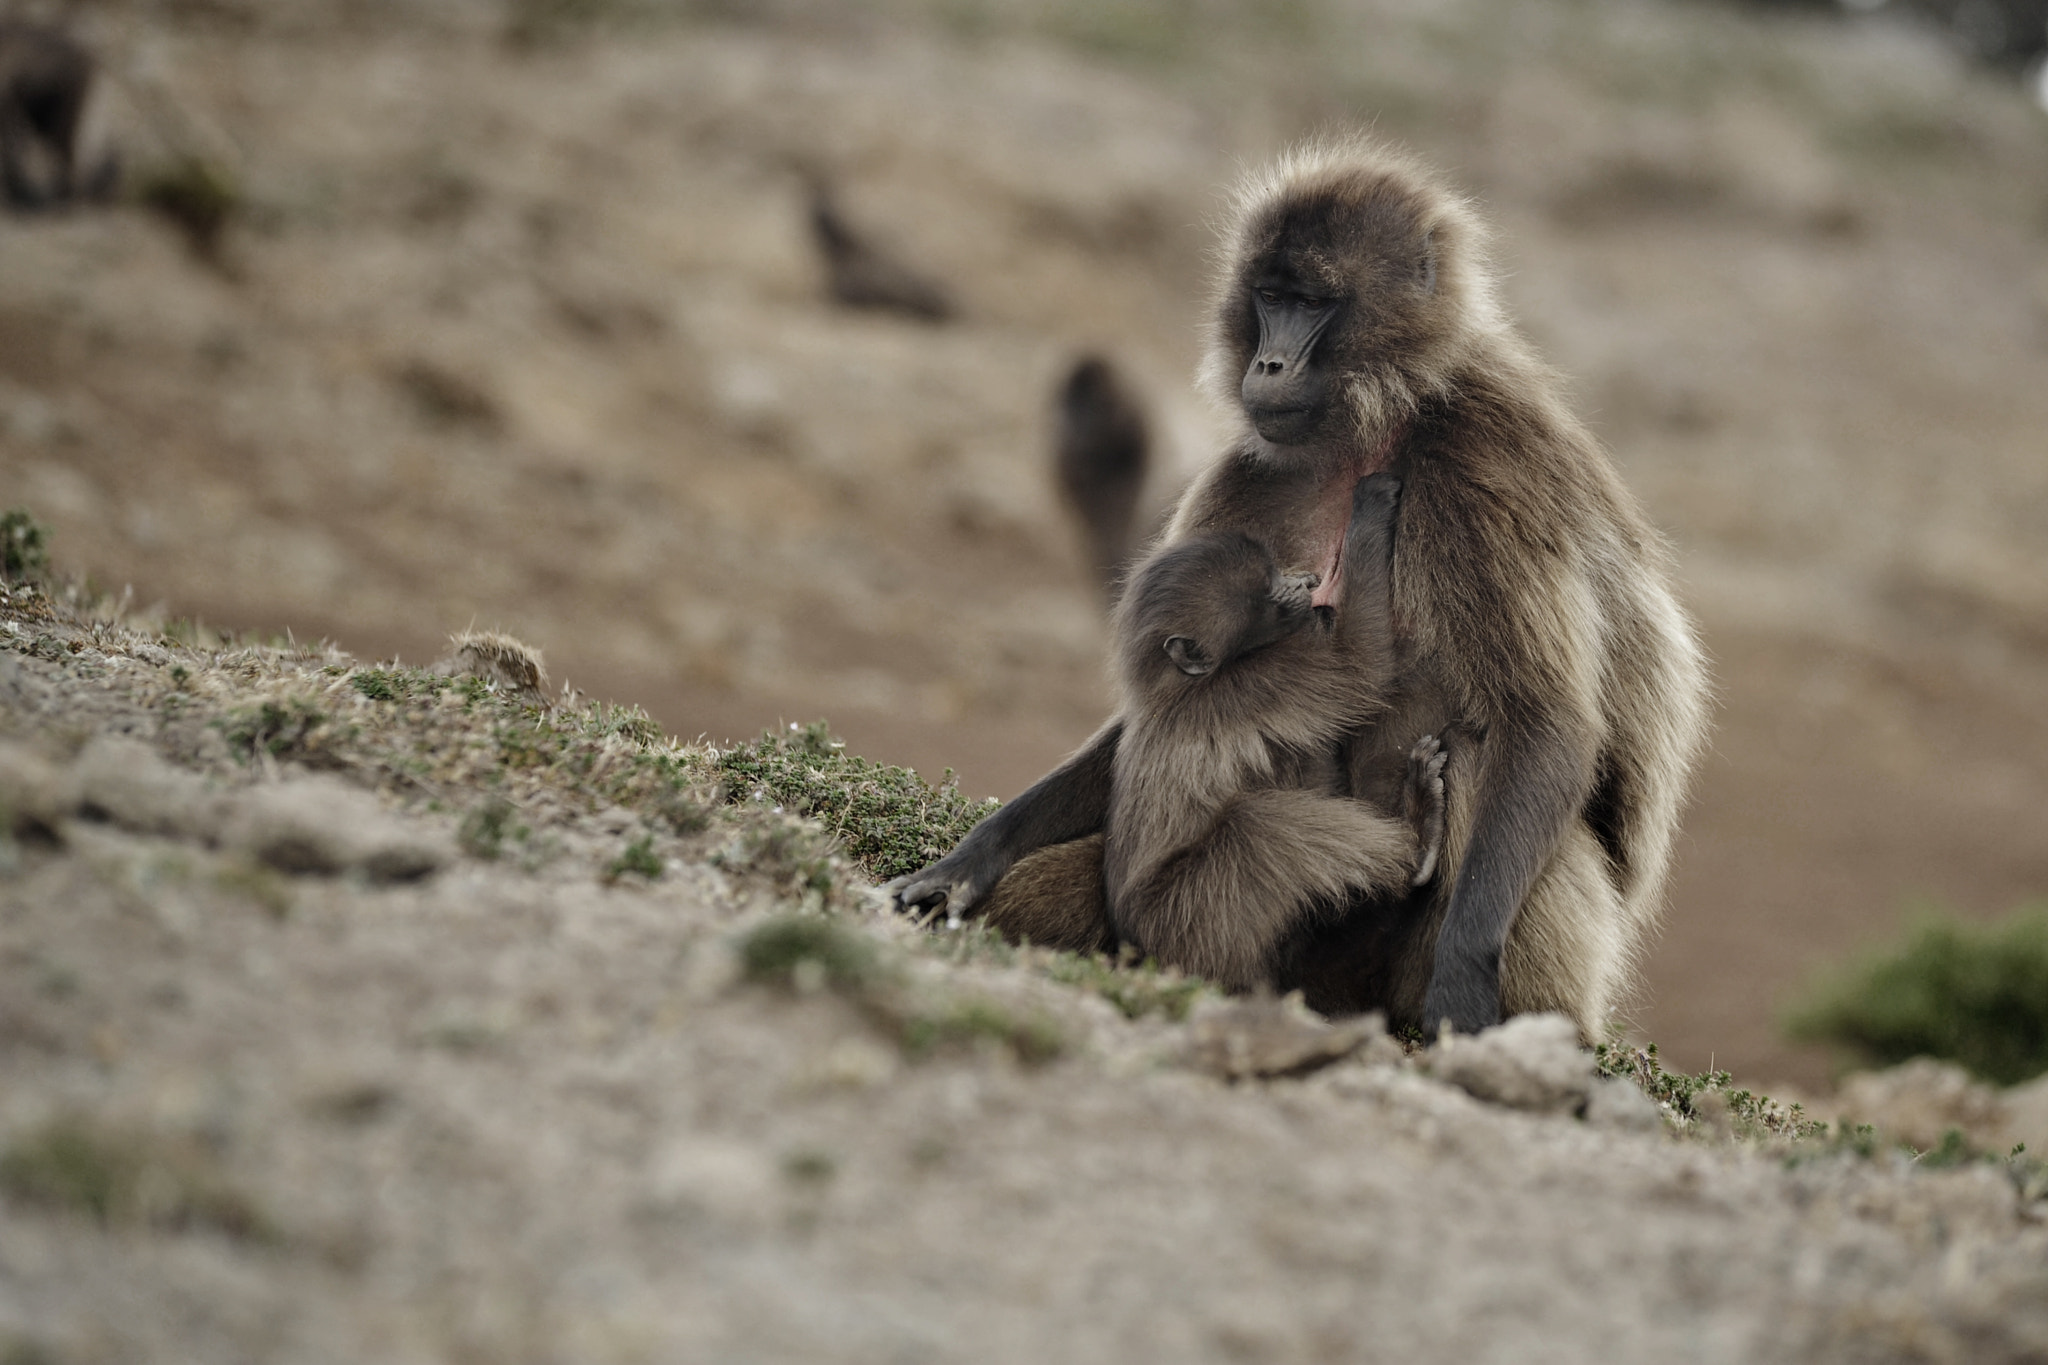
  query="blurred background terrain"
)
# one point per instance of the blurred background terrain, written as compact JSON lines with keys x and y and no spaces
{"x":516,"y":320}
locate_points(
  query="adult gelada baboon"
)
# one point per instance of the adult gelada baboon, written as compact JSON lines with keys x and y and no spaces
{"x":45,"y":77}
{"x":1101,"y":457}
{"x":1357,"y":330}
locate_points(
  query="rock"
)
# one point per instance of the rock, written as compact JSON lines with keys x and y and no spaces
{"x":1265,"y":1037}
{"x":1616,"y":1102}
{"x":33,"y":798}
{"x":2026,"y":1116}
{"x":1533,"y":1061}
{"x":123,"y":780}
{"x":321,"y":825}
{"x":1921,"y":1101}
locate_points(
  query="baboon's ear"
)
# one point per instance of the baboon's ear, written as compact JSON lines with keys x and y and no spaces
{"x":1188,"y":657}
{"x":1425,"y":273}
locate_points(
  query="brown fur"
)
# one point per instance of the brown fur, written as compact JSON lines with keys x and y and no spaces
{"x":1533,"y":618}
{"x":1227,"y":826}
{"x":1054,"y":898}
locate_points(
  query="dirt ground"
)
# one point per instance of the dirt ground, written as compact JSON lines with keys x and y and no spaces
{"x":296,"y":1066}
{"x":521,"y":328}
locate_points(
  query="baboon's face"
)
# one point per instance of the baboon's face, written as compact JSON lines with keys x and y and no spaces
{"x":1235,"y":613}
{"x":1339,"y":278}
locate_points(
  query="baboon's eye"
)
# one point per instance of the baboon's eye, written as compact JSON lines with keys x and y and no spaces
{"x":1311,"y":303}
{"x":1269,"y":295}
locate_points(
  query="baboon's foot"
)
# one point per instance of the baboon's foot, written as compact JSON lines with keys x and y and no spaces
{"x":1424,"y":800}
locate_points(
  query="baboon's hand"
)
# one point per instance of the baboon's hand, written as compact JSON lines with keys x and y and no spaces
{"x":1424,"y":799}
{"x":942,"y":886}
{"x":1295,"y":591}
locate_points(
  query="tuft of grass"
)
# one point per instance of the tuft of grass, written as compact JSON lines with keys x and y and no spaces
{"x":637,"y":859}
{"x":281,"y":728}
{"x":629,"y":723}
{"x":805,"y":953}
{"x":1034,"y":1038}
{"x":809,"y":1166}
{"x":792,"y":855}
{"x":1135,"y":988}
{"x":487,"y":826}
{"x":24,"y":547}
{"x":808,"y":953}
{"x":889,"y":820}
{"x":1973,"y":994}
{"x":1687,"y":1096}
{"x":398,"y":684}
{"x":122,"y":1178}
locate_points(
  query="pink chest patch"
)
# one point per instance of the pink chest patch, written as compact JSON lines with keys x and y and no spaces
{"x":1332,"y":518}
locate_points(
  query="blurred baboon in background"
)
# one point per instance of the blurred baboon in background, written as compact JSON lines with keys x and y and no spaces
{"x":1102,"y":458}
{"x":45,"y":78}
{"x":861,"y":274}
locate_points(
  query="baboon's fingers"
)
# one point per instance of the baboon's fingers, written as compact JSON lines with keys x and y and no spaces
{"x":928,"y":890}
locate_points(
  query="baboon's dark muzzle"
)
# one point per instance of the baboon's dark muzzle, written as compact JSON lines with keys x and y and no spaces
{"x":1284,"y":390}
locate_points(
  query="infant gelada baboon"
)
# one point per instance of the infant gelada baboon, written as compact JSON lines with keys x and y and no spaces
{"x":1229,"y":825}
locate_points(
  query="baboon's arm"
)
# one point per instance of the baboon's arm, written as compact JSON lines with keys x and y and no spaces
{"x":1067,"y":803}
{"x":1537,"y":779}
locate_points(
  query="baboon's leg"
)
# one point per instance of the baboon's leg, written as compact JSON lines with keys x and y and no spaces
{"x":1569,"y":949}
{"x":1221,"y":906}
{"x":1054,"y":898}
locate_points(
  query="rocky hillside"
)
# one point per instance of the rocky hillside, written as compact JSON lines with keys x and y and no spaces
{"x":354,"y":1012}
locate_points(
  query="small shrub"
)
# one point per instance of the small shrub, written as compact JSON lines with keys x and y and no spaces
{"x":1973,"y":994}
{"x":1753,"y":1115}
{"x":889,"y":820}
{"x":24,"y":547}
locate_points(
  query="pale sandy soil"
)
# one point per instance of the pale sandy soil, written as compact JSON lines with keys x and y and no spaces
{"x":512,"y":1112}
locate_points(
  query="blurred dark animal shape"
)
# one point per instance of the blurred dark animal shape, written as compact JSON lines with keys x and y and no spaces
{"x":2009,"y":33}
{"x":1358,"y":330}
{"x":863,"y":275}
{"x":46,"y":77}
{"x":1101,"y":462}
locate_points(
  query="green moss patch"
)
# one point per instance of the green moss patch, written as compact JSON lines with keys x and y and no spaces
{"x":887,"y":819}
